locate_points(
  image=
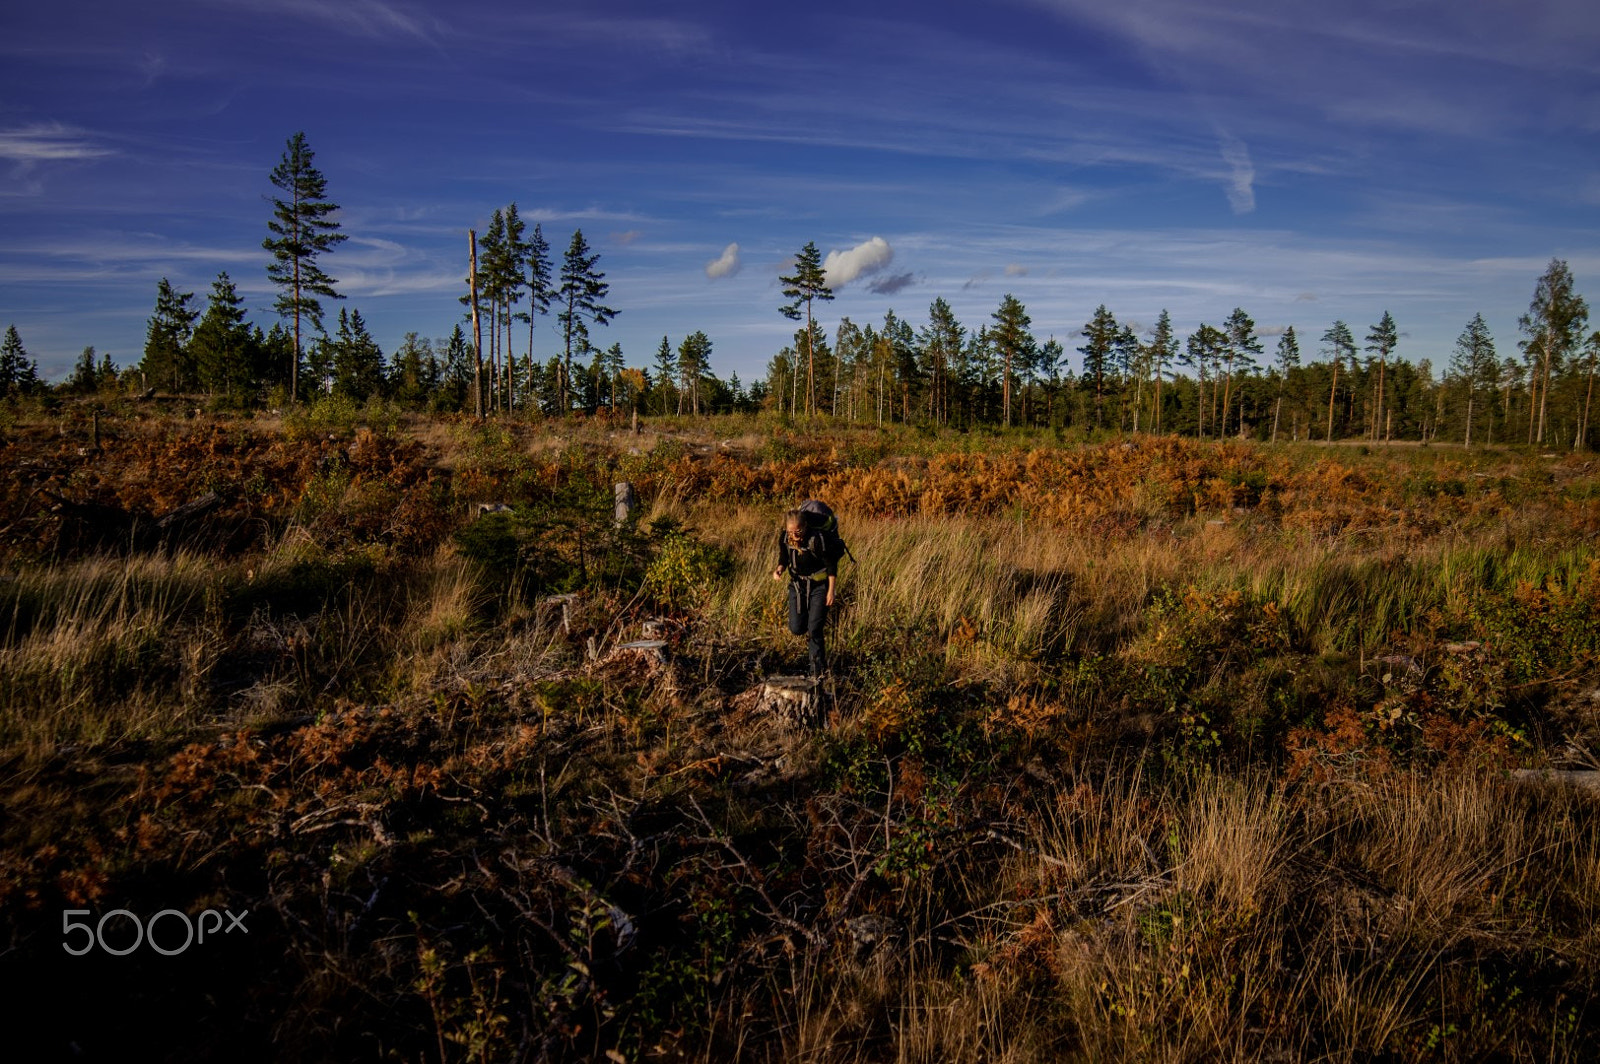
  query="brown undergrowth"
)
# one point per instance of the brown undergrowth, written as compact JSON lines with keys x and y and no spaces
{"x":1152,"y":750}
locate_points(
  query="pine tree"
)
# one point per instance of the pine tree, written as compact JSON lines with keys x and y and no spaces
{"x":1473,"y":364}
{"x":807,"y":284}
{"x":1554,"y":327}
{"x":666,"y":371}
{"x":941,"y":341}
{"x":301,"y":231}
{"x":492,"y":259}
{"x":1204,"y":350}
{"x":1288,"y":360}
{"x":1100,"y":332}
{"x":166,"y":360}
{"x":540,"y":293}
{"x":1382,"y":339}
{"x":1340,"y":345}
{"x":1241,"y":349}
{"x":615,"y":364}
{"x":508,"y":282}
{"x":694,"y":362}
{"x":582,"y":289}
{"x":1163,"y":349}
{"x":1013,"y":343}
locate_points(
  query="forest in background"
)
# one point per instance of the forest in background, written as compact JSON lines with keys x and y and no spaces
{"x":1217,"y":381}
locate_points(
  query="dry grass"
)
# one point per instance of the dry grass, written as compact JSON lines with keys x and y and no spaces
{"x":1113,"y":772}
{"x":105,"y":650}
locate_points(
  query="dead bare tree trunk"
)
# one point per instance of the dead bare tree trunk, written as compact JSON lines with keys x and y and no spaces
{"x":1333,"y":390}
{"x":477,"y":331}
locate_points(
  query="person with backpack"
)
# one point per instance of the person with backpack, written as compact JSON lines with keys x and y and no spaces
{"x":809,"y":549}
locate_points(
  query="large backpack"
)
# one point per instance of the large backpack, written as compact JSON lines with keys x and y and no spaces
{"x":819,"y":518}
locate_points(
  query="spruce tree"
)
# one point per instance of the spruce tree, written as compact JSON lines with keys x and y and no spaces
{"x":582,"y":289}
{"x":166,"y":360}
{"x":357,"y":360}
{"x":408,"y":374}
{"x":221,"y":344}
{"x":301,"y":231}
{"x":13,"y":359}
{"x":807,"y":284}
{"x":83,"y":380}
{"x":106,"y":375}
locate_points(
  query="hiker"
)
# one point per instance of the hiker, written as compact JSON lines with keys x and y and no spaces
{"x":806,"y":551}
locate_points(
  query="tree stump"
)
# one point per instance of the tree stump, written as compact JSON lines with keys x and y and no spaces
{"x":793,"y":700}
{"x":626,"y":500}
{"x":551,"y":604}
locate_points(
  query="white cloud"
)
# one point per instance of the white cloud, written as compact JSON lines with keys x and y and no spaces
{"x":1016,"y":269}
{"x":842,"y":267}
{"x":1241,"y":179}
{"x":724,"y":265}
{"x":32,"y":144}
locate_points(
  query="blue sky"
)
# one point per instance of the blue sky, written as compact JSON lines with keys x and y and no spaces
{"x":1308,"y":161}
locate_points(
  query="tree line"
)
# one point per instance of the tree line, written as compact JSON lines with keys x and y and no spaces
{"x":1216,"y":381}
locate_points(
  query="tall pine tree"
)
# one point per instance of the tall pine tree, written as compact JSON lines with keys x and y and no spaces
{"x":582,"y":289}
{"x":301,"y":231}
{"x":807,"y":284}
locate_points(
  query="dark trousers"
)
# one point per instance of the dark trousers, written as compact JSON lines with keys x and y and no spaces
{"x":808,"y":616}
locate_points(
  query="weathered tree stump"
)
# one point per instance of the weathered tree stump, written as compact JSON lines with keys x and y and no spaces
{"x":549,"y":605}
{"x":626,"y":501}
{"x":793,"y":700}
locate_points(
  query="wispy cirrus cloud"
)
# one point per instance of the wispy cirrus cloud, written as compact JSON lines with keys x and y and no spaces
{"x":1240,"y":183}
{"x":370,"y":19}
{"x":48,"y":143}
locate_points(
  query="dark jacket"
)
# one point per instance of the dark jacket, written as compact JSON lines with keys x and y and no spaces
{"x":809,"y":561}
